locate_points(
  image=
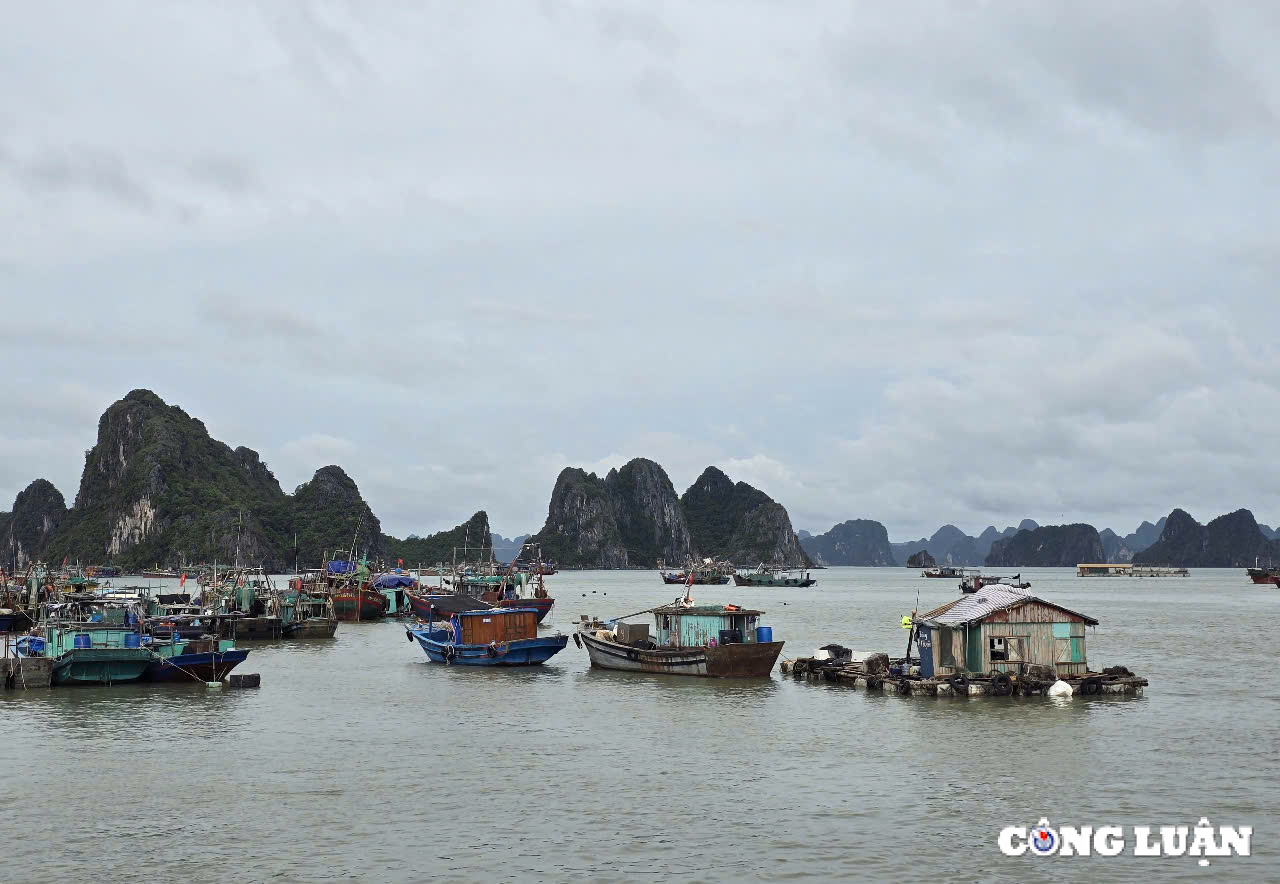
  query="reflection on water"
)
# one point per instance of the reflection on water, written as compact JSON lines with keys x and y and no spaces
{"x":358,"y":759}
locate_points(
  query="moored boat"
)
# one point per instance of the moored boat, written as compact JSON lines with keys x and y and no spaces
{"x":90,"y":642}
{"x":774,"y":575}
{"x":947,"y":571}
{"x":973,"y":584}
{"x":1264,"y":576}
{"x":708,"y":572}
{"x":492,"y":637}
{"x":718,"y":641}
{"x":204,"y":659}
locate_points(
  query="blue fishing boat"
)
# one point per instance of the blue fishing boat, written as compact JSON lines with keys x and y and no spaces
{"x":204,"y":659}
{"x":492,"y":637}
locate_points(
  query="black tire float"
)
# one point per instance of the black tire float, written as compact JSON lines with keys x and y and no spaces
{"x":904,"y":687}
{"x":1001,"y":684}
{"x":959,"y":684}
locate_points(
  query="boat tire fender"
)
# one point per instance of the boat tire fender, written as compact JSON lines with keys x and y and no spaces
{"x":1091,"y":686}
{"x":959,"y":684}
{"x":1001,"y":684}
{"x":903,"y":687}
{"x":577,"y":640}
{"x":492,"y":650}
{"x":408,"y":635}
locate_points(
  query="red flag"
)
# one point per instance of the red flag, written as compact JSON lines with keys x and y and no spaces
{"x":689,"y":582}
{"x":183,"y":581}
{"x":399,"y":561}
{"x":64,"y":561}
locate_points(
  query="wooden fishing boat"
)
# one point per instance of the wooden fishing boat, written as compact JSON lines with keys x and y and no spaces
{"x":442,"y":605}
{"x":1264,"y":576}
{"x":204,"y":659}
{"x":492,"y":637}
{"x":510,"y":588}
{"x":718,"y":641}
{"x":359,"y":603}
{"x":309,"y":615}
{"x":774,"y":575}
{"x":706,"y":573}
{"x":947,"y":571}
{"x":973,"y":584}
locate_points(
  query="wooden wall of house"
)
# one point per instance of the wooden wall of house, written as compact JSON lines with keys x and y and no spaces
{"x":1037,"y":633}
{"x":511,"y":626}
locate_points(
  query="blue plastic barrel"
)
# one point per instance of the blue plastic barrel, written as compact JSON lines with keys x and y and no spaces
{"x":764,"y":634}
{"x":81,"y":640}
{"x":132,"y":640}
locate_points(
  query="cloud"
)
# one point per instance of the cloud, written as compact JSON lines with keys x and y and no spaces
{"x":946,"y":263}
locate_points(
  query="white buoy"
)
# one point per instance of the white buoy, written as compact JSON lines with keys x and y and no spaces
{"x":213,"y":684}
{"x":1060,"y":689}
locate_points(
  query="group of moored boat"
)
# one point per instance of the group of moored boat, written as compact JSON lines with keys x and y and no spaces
{"x":710,"y":572}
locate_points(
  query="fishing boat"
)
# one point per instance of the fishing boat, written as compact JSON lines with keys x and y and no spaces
{"x":176,"y":619}
{"x":91,"y":642}
{"x":395,"y":585}
{"x":773,"y":575}
{"x":947,"y":571}
{"x":485,"y":582}
{"x":250,"y":602}
{"x":706,"y":573}
{"x":973,"y":584}
{"x":442,"y":605}
{"x":493,"y":637}
{"x":202,"y":659}
{"x":717,"y":641}
{"x":309,"y":615}
{"x":1263,"y":576}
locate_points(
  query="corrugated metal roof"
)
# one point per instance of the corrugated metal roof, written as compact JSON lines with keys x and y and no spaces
{"x":987,"y":601}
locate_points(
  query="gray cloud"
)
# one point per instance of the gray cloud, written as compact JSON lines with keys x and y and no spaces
{"x":941,"y":262}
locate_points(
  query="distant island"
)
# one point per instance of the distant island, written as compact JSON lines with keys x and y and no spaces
{"x":157,"y":489}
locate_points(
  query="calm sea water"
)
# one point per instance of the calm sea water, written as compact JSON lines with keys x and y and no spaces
{"x":359,"y":760}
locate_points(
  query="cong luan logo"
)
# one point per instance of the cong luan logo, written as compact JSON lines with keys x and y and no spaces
{"x":1202,"y":841}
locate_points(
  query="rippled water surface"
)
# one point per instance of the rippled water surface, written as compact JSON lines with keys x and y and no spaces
{"x":359,"y":760}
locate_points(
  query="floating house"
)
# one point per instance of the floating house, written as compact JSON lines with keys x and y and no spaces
{"x":1001,"y":628}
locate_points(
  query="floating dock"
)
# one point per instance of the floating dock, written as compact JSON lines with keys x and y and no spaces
{"x":896,"y":677}
{"x":22,"y":673}
{"x":1104,"y":569}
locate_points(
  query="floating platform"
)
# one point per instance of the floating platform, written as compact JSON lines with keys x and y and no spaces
{"x":18,"y":673}
{"x":855,"y":674}
{"x":1121,"y":570}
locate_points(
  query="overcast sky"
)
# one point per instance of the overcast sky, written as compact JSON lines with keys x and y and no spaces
{"x":920,"y":263}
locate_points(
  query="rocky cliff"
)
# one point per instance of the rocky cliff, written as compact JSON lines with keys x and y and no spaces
{"x":1230,"y":541}
{"x":740,"y":523}
{"x":855,"y":542}
{"x":630,"y":518}
{"x":1048,"y":546}
{"x":38,"y":511}
{"x":921,"y":559}
{"x":156,"y":488}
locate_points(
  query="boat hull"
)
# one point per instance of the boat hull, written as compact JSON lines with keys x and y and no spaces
{"x":208,"y":666}
{"x":441,"y":606}
{"x":101,"y":666}
{"x":312,"y":627}
{"x":750,"y":660}
{"x":367,"y":604}
{"x":795,"y":582}
{"x":678,"y":579}
{"x":253,"y":629}
{"x":522,"y":652}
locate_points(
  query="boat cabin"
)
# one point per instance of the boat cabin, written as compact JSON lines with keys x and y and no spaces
{"x":495,"y":625}
{"x":676,"y":626}
{"x":1004,"y":628}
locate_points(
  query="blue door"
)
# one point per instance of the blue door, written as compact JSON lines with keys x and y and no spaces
{"x":924,"y":641}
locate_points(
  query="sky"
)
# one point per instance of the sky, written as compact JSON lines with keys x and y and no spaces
{"x":918,"y":262}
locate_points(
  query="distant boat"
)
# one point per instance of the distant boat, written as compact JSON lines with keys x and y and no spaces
{"x":973,"y":584}
{"x":774,"y":575}
{"x":718,"y":641}
{"x":706,"y":573}
{"x":492,"y":637}
{"x":1264,"y":576}
{"x":947,"y":571}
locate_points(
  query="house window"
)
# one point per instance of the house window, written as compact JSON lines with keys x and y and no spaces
{"x":999,"y":649}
